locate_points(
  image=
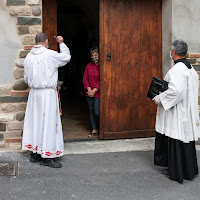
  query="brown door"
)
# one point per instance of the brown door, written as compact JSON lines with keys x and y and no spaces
{"x":131,"y":54}
{"x":49,"y":18}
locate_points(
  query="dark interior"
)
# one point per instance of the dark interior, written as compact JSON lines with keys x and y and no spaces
{"x":78,"y":23}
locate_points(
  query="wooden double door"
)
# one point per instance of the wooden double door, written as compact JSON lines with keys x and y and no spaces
{"x":130,"y":44}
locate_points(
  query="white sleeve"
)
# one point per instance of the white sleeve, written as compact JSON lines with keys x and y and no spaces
{"x":62,"y":58}
{"x":176,"y":89}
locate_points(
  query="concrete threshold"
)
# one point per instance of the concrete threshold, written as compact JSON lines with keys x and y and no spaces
{"x":105,"y":146}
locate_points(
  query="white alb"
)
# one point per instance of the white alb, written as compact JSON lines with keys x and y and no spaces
{"x":178,"y":116}
{"x":42,"y":131}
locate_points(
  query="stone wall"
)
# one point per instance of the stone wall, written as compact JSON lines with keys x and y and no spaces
{"x":10,"y":44}
{"x":27,"y":15}
{"x":194,"y":59}
{"x":185,"y":20}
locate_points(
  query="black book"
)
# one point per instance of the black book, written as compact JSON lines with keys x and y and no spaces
{"x":157,"y":86}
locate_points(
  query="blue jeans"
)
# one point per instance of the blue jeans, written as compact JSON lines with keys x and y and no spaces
{"x":93,"y":104}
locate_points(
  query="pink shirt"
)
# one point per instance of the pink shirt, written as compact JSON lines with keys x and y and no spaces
{"x":91,"y":78}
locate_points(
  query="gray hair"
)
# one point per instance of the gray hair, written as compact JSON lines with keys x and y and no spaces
{"x":40,"y":38}
{"x":94,"y":50}
{"x":180,"y":47}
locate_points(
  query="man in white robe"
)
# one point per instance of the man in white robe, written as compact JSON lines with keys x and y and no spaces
{"x":177,"y":121}
{"x":42,"y":133}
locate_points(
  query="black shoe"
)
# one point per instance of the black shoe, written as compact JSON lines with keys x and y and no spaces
{"x":165,"y":172}
{"x":34,"y":160}
{"x":34,"y":157}
{"x":50,"y":162}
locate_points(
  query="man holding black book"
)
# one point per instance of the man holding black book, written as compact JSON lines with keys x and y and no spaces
{"x":177,"y":120}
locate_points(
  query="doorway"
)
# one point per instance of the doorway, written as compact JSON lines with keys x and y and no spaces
{"x":78,"y":23}
{"x":129,"y":33}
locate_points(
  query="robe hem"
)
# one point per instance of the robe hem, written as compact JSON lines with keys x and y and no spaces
{"x":44,"y":154}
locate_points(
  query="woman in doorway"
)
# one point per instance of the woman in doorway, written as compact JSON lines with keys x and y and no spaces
{"x":91,"y":85}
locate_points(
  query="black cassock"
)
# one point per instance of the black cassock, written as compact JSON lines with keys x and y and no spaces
{"x":179,"y":157}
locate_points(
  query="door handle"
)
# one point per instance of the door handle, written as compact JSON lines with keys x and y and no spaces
{"x":109,"y":56}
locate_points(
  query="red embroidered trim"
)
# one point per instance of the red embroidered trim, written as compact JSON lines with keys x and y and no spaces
{"x":58,"y":153}
{"x":48,"y":153}
{"x":35,"y":149}
{"x":29,"y":146}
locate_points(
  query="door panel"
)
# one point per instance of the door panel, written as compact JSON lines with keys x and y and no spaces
{"x":49,"y":16}
{"x":130,"y":31}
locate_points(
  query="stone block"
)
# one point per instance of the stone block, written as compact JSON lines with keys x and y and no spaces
{"x":2,"y":126}
{"x":34,"y":2}
{"x":29,"y":40}
{"x":20,"y":93}
{"x":1,"y":137}
{"x":19,"y":63}
{"x":20,"y":10}
{"x":18,"y":73}
{"x":13,"y":134}
{"x":35,"y":30}
{"x":11,"y":99}
{"x":16,"y":2}
{"x":196,"y":67}
{"x":16,"y":145}
{"x":12,"y":107}
{"x":15,"y":126}
{"x":6,"y":117}
{"x":20,"y":85}
{"x":36,"y":11}
{"x":23,"y":29}
{"x":192,"y":60}
{"x":23,"y":54}
{"x":194,"y":55}
{"x":13,"y":140}
{"x":28,"y":47}
{"x":198,"y":60}
{"x":198,"y":142}
{"x":2,"y":144}
{"x":2,"y":93}
{"x":4,"y":90}
{"x":28,"y":20}
{"x":20,"y":116}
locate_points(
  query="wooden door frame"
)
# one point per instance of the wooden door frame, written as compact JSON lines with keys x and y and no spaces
{"x":49,"y":22}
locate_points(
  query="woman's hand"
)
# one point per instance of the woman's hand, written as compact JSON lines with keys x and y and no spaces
{"x":91,"y":93}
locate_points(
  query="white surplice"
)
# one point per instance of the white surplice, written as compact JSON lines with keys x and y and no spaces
{"x":42,"y":131}
{"x":178,"y":116}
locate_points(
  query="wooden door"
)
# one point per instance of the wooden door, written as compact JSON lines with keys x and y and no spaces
{"x":130,"y":54}
{"x":49,"y":21}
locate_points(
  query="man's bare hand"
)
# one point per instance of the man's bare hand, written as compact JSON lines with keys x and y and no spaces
{"x":59,"y":39}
